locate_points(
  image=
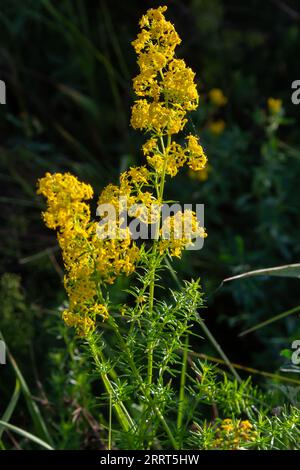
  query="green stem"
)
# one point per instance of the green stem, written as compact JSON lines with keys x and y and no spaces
{"x":121,"y":412}
{"x":160,"y":196}
{"x":150,"y":362}
{"x":182,"y":383}
{"x":141,"y":383}
{"x":166,"y":427}
{"x":109,"y":422}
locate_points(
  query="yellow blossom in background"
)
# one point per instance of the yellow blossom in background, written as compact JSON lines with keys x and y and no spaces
{"x":201,"y":175}
{"x":217,"y":97}
{"x":217,"y":127}
{"x":274,"y":105}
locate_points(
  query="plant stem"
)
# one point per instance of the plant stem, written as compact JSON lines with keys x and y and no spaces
{"x":121,"y":412}
{"x":109,"y":422}
{"x":182,"y":383}
{"x":142,"y":385}
{"x":160,"y":196}
{"x":38,"y":421}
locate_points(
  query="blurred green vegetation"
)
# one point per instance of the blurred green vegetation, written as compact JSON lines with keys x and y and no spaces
{"x":68,"y":67}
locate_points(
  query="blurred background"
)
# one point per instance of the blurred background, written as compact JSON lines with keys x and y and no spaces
{"x":68,"y":67}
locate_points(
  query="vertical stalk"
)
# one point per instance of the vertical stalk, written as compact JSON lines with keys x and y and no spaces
{"x":121,"y":412}
{"x":142,"y":386}
{"x":109,"y":422}
{"x":182,"y":383}
{"x":160,"y":196}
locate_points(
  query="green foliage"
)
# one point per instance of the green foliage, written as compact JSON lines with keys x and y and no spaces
{"x":16,"y":315}
{"x":271,"y":433}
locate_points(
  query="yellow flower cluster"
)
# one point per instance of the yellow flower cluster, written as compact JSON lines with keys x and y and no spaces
{"x":88,"y":259}
{"x":133,"y":197}
{"x":175,"y":155}
{"x":180,"y":231}
{"x":166,"y":90}
{"x":65,"y":196}
{"x":197,"y":157}
{"x":95,"y":253}
{"x":234,"y":435}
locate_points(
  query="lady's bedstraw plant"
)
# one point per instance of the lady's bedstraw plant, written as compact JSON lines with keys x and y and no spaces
{"x":139,"y":355}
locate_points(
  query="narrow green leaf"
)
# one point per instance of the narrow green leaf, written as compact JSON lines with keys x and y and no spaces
{"x":289,"y":270}
{"x":271,"y":320}
{"x":26,"y":434}
{"x":33,"y":409}
{"x":31,"y":404}
{"x":11,"y":406}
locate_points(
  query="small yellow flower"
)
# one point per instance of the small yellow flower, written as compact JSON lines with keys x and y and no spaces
{"x":196,"y":155}
{"x":217,"y":97}
{"x":217,"y":127}
{"x":179,"y":231}
{"x":99,"y":309}
{"x":201,"y":175}
{"x":274,"y":105}
{"x":83,"y":324}
{"x":234,"y":434}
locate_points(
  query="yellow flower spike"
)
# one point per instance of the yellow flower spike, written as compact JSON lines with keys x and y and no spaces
{"x":166,"y":92}
{"x":84,"y":253}
{"x":165,"y":84}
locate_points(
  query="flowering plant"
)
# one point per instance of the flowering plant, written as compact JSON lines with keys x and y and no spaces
{"x":141,"y":349}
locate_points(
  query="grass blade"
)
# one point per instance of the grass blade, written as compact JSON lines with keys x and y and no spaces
{"x":288,"y":270}
{"x":26,"y":434}
{"x":33,"y":409}
{"x":11,"y":406}
{"x":31,"y":404}
{"x":271,"y":320}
